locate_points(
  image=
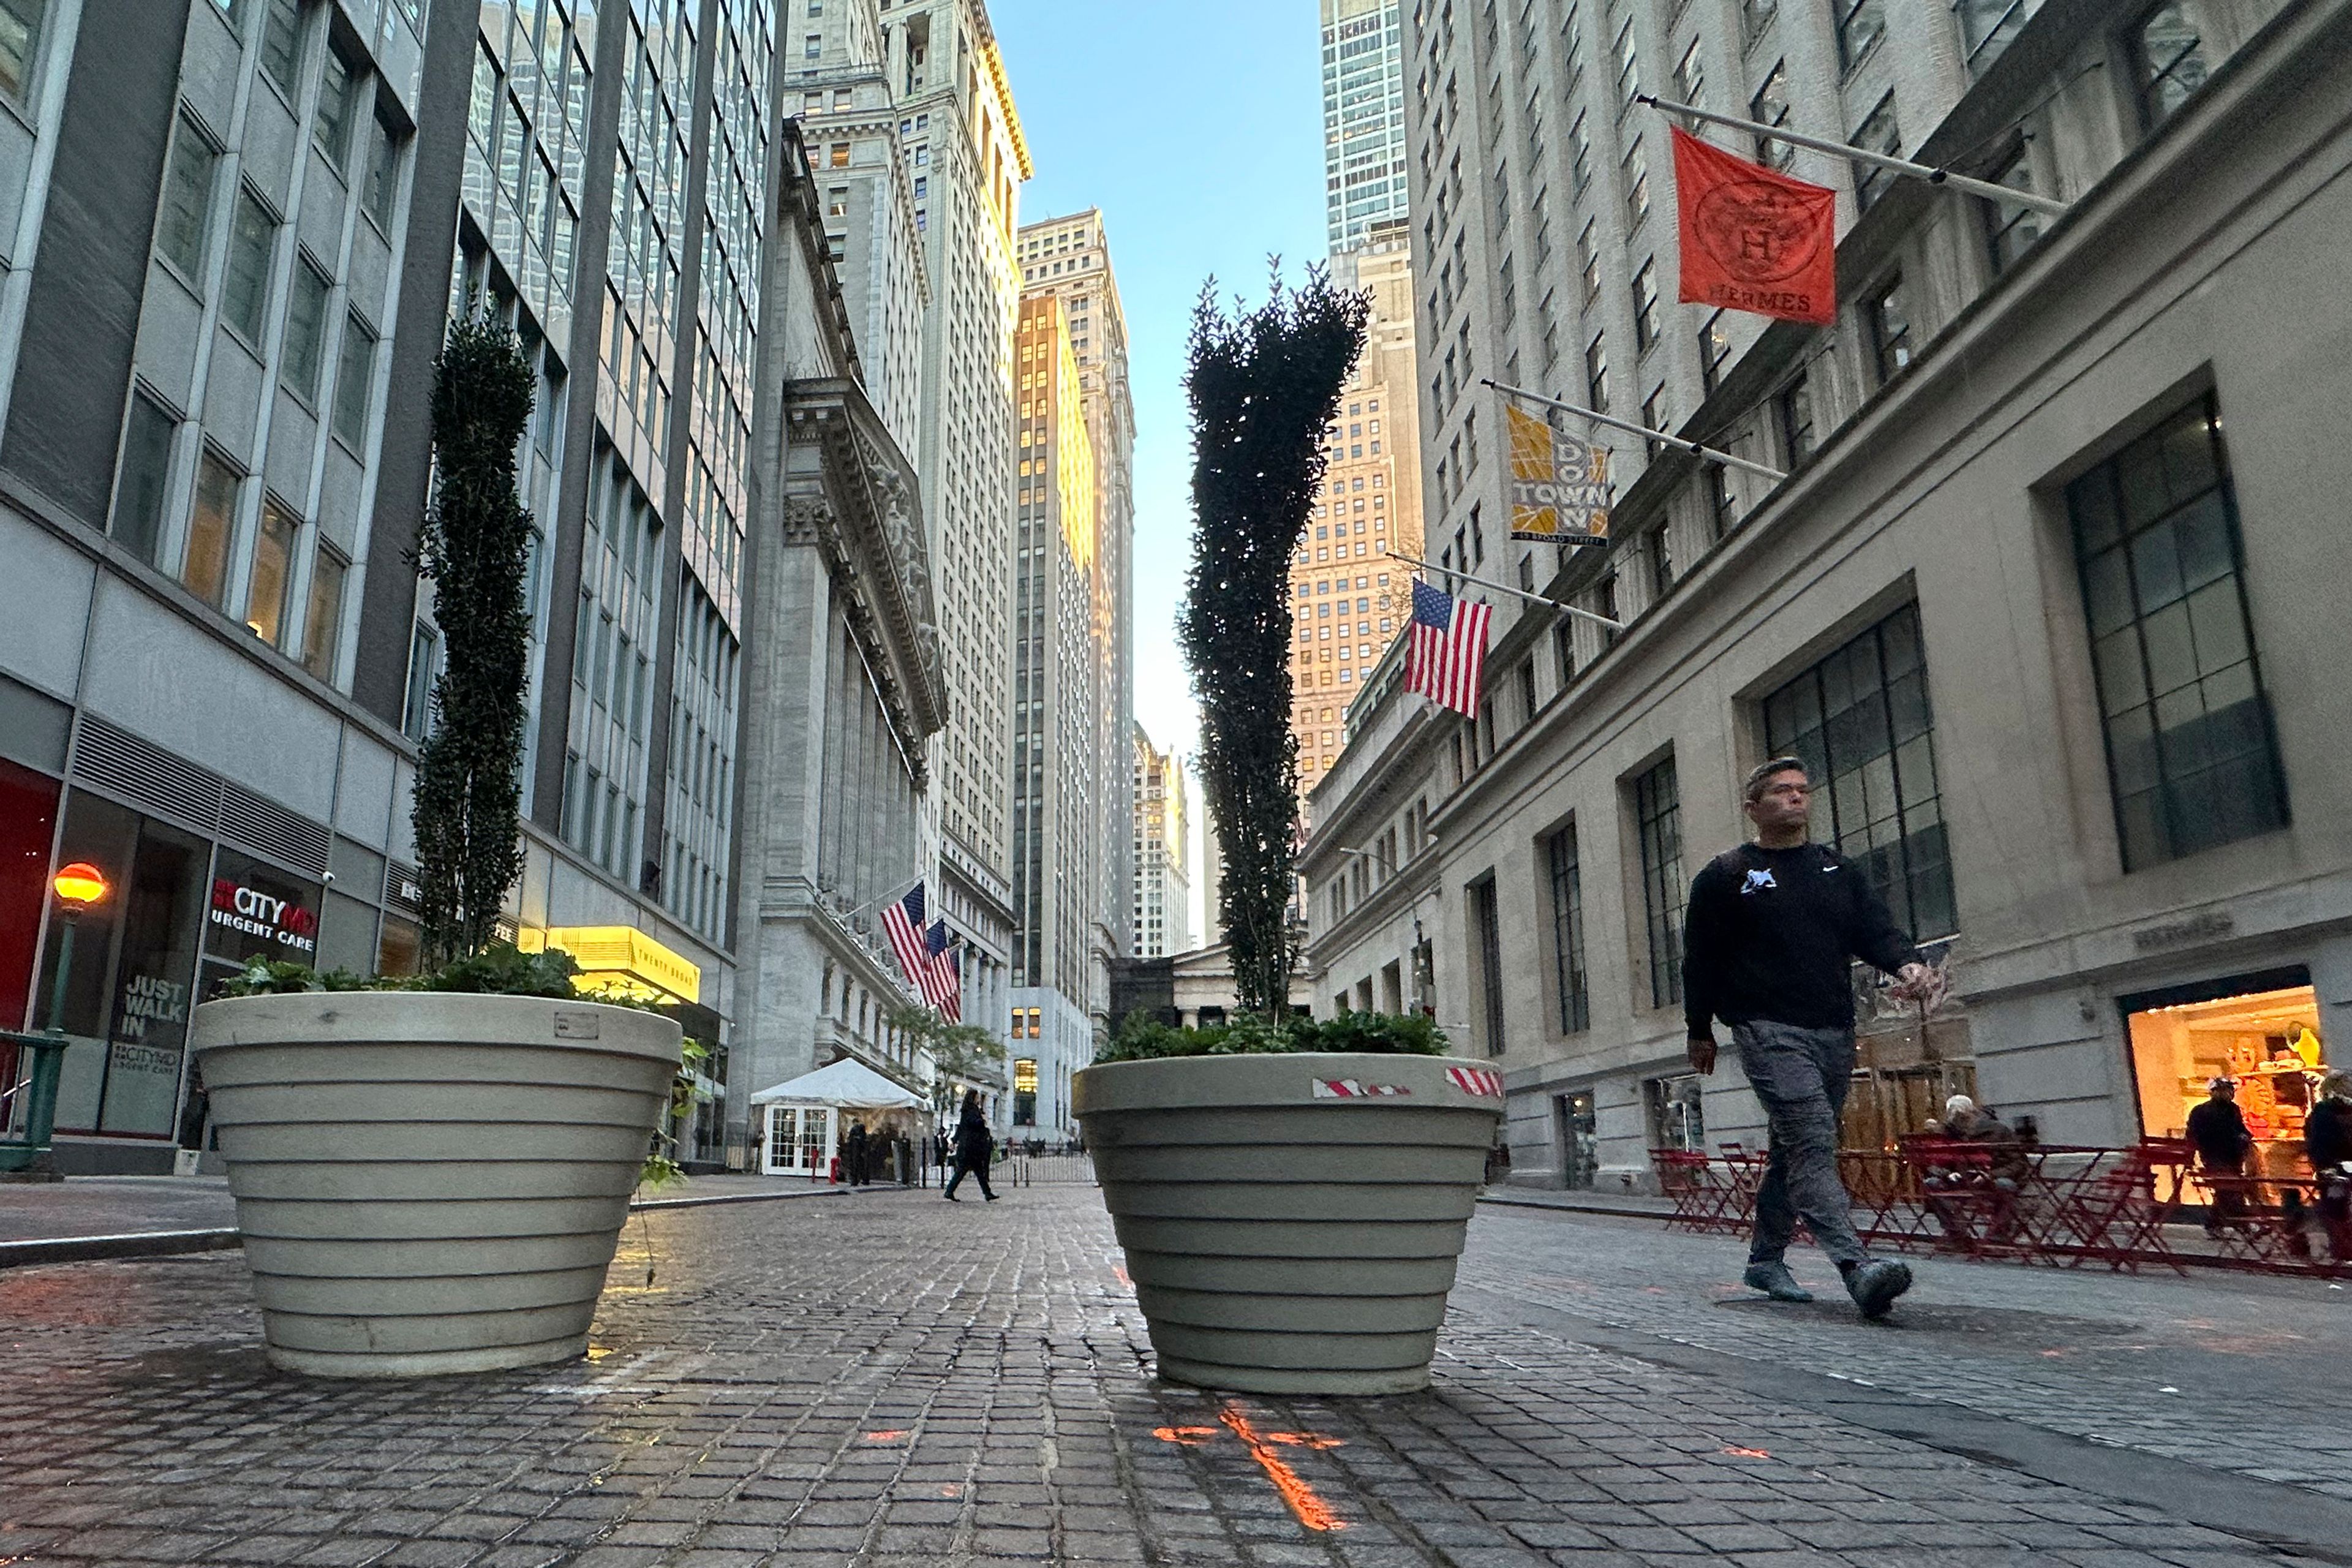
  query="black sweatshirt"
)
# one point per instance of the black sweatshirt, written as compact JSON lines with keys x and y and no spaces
{"x":1767,"y":934}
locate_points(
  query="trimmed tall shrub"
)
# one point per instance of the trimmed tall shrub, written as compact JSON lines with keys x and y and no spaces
{"x":1263,"y":384}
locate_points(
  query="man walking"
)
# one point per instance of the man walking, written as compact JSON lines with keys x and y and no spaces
{"x":1767,"y":935}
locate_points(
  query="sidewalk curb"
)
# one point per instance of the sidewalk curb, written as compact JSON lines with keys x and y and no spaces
{"x":174,"y":1243}
{"x":1573,"y":1205}
{"x":135,"y":1244}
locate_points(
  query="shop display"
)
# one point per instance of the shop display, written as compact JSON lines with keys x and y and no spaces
{"x":2267,"y":1042}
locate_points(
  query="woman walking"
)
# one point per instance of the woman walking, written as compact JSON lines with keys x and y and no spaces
{"x":973,"y":1145}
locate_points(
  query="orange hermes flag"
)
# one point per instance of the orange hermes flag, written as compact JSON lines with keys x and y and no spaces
{"x":1754,"y":240}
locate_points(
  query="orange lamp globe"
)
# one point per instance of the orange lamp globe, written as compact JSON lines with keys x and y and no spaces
{"x":80,"y":883}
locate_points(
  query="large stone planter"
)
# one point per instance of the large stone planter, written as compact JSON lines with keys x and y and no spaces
{"x":1291,"y":1222}
{"x":430,"y":1182}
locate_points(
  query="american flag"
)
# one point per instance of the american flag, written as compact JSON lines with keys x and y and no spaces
{"x":1448,"y":657}
{"x":904,"y":922}
{"x":947,"y":972}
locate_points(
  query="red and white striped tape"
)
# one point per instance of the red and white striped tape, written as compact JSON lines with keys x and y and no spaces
{"x":1354,"y":1089}
{"x":1485,"y":1082}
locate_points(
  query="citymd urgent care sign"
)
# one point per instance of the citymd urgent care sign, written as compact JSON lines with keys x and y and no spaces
{"x":259,"y":913}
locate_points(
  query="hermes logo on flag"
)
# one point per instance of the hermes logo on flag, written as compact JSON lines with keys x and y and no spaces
{"x":1559,"y":485}
{"x":1752,"y":238}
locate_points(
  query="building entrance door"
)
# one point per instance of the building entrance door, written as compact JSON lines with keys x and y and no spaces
{"x":1580,"y":1139}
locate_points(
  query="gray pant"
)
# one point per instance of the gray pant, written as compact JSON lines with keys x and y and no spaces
{"x":1802,"y":1076}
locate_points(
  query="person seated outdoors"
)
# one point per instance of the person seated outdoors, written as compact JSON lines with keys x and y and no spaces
{"x":1991,"y":1181}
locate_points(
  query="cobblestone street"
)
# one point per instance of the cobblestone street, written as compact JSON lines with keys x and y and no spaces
{"x":884,"y":1380}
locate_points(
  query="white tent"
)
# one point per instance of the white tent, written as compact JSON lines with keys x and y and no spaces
{"x":847,"y":1086}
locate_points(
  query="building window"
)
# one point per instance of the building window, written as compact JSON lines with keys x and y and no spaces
{"x":1713,"y":350}
{"x":1722,"y":500}
{"x":1673,"y":1106}
{"x":1793,"y":407}
{"x":1860,"y":718}
{"x":1859,"y":24}
{"x":305,"y":350}
{"x":1646,"y":305}
{"x":1987,"y":25}
{"x":331,"y":127}
{"x":2167,"y":61}
{"x":186,"y":205}
{"x":1588,"y":259}
{"x":1690,"y":78}
{"x":1770,"y":107}
{"x":282,"y":45}
{"x":1878,"y":134}
{"x":245,"y":293}
{"x":1486,"y":931}
{"x":2010,"y":231}
{"x":1660,"y":550}
{"x":322,"y":624}
{"x":417,"y":715}
{"x":20,"y":43}
{"x":211,"y":520}
{"x":1655,"y":417}
{"x":2190,"y":754}
{"x":146,"y":479}
{"x":383,"y":187}
{"x":270,"y":586}
{"x":1888,"y":321}
{"x":1629,"y":67}
{"x":1657,"y":821}
{"x":355,"y":382}
{"x":1024,"y":1092}
{"x":1568,"y":932}
{"x":1636,"y":171}
{"x":1596,"y":374}
{"x":1755,"y":16}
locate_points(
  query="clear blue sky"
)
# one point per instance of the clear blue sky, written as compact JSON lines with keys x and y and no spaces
{"x":1198,"y":129}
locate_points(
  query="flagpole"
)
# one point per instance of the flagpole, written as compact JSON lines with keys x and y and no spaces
{"x":1933,"y":175}
{"x":1712,"y":454}
{"x":1515,"y":592}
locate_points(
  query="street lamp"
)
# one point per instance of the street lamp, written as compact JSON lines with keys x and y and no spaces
{"x":78,"y":887}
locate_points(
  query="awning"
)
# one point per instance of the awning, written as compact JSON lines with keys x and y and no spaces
{"x":849,"y":1085}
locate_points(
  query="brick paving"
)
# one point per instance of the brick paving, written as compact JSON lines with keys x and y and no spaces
{"x":893,"y":1382}
{"x":2236,"y":1373}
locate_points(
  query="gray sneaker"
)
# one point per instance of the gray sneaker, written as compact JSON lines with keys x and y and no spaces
{"x":1874,"y":1285}
{"x":1775,"y":1281}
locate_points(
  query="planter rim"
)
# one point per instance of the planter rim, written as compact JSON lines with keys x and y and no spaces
{"x":1288,"y":1080}
{"x":351,"y":1019}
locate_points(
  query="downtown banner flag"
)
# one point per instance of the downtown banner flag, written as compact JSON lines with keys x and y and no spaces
{"x":1752,"y":238}
{"x":1559,"y":485}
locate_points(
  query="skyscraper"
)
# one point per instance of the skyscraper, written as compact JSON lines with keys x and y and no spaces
{"x":1163,"y":878}
{"x":1363,"y":117}
{"x":920,"y":153}
{"x":1069,"y":259}
{"x":1060,"y":672}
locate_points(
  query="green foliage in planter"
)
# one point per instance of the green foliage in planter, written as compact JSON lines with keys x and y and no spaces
{"x":475,"y":547}
{"x":957,"y":1050}
{"x":1369,"y":1034}
{"x":1264,"y":383}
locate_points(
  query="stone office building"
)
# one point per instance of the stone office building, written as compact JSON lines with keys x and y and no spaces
{"x":2035,"y":600}
{"x":237,"y":233}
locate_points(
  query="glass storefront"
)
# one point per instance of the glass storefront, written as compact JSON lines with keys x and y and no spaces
{"x":185,"y":915}
{"x":1675,"y":1112}
{"x":2265,"y":1039}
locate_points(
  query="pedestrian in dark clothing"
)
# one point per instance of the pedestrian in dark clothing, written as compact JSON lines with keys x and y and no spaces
{"x":1768,"y":932}
{"x":2217,"y":1129}
{"x":2328,"y":1141}
{"x":853,"y":1156}
{"x":973,"y":1145}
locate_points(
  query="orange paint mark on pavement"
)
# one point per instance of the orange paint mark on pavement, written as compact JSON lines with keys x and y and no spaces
{"x":884,"y":1437}
{"x":1190,"y":1436}
{"x":1748,"y":1453}
{"x":1120,"y":1271}
{"x":951,"y":1488}
{"x":1309,"y":1507}
{"x":1307,"y":1439}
